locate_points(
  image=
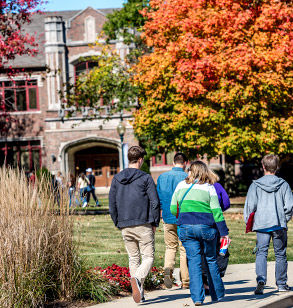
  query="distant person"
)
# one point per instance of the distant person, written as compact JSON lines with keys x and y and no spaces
{"x":166,"y":185}
{"x":271,"y":199}
{"x":82,"y":185}
{"x":91,"y":189}
{"x":60,"y":179}
{"x":135,"y":209}
{"x":71,"y":188}
{"x":200,"y":219}
{"x":55,"y":189}
{"x":32,"y":178}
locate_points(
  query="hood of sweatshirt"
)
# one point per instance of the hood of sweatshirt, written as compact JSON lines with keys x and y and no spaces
{"x":269,"y":183}
{"x":129,"y":175}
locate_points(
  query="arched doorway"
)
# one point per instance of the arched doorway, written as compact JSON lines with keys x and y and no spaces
{"x":103,"y":155}
{"x":103,"y":161}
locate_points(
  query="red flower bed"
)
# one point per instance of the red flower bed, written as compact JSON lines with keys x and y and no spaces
{"x":116,"y":274}
{"x":121,"y":276}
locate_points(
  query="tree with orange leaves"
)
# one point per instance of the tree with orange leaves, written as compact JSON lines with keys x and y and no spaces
{"x":219,"y":80}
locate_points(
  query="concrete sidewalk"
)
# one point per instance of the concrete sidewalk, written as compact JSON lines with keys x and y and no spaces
{"x":239,"y":283}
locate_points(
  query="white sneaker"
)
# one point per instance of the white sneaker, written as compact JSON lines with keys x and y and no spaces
{"x":85,"y":204}
{"x":284,"y":288}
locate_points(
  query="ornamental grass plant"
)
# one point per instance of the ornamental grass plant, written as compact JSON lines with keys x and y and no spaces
{"x":38,"y":258}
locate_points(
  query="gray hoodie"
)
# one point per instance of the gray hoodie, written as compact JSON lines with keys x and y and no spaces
{"x":272,"y":200}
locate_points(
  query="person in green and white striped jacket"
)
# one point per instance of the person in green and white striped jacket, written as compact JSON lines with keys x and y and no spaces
{"x":200,"y":218}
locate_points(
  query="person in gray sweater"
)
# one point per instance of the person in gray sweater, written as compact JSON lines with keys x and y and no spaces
{"x":271,"y":199}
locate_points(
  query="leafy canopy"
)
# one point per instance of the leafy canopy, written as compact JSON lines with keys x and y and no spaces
{"x":127,"y":22}
{"x":107,"y":85}
{"x":219,"y":79}
{"x":14,"y":14}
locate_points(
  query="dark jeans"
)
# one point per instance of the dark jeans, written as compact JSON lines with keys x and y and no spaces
{"x":280,"y":245}
{"x":222,"y":262}
{"x":94,"y":195}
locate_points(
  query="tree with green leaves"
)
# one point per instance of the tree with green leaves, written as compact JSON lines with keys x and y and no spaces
{"x":127,"y":24}
{"x":106,"y":86}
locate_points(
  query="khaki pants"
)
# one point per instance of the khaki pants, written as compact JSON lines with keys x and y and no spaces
{"x":172,"y":242}
{"x":139,"y":242}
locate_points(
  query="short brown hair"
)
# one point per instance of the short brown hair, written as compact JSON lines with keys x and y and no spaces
{"x":271,"y":162}
{"x":200,"y":171}
{"x":135,"y":153}
{"x":180,"y":158}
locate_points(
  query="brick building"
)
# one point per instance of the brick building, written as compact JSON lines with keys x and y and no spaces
{"x":36,"y":134}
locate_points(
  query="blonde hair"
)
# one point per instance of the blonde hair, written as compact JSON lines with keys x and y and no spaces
{"x":199,"y":171}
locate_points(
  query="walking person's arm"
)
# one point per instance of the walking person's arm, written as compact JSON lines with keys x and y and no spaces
{"x":223,"y":198}
{"x":288,"y":201}
{"x":154,"y":201}
{"x":78,"y":184}
{"x":218,"y":213}
{"x":174,"y":202}
{"x":159,"y":191}
{"x":250,"y":202}
{"x":112,"y":203}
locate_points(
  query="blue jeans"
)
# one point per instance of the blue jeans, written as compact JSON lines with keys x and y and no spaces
{"x":71,"y":193}
{"x":195,"y":238}
{"x":280,"y":245}
{"x":83,"y":195}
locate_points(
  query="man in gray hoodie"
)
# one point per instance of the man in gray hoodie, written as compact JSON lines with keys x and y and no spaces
{"x":271,"y":199}
{"x":134,"y":207}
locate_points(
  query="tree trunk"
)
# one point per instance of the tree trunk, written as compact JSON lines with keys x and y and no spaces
{"x":230,"y":181}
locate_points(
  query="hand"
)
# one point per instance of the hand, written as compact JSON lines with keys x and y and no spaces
{"x":227,"y":238}
{"x":154,"y":229}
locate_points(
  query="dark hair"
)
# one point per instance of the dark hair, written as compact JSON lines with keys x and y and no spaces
{"x":271,"y":162}
{"x":135,"y":153}
{"x":180,"y":158}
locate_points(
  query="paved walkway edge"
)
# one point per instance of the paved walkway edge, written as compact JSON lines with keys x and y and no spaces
{"x":285,"y":302}
{"x":239,"y":284}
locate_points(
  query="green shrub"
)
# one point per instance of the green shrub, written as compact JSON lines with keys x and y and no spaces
{"x":145,"y":167}
{"x":43,"y":173}
{"x":93,"y":286}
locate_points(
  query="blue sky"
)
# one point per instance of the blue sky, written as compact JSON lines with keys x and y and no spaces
{"x":64,"y":5}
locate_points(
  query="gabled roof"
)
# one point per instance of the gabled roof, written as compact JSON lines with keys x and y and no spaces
{"x":89,"y":7}
{"x":37,"y":28}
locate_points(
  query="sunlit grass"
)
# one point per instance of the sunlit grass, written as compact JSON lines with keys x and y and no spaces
{"x":102,"y":245}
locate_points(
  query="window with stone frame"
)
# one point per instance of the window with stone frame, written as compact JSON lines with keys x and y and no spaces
{"x":19,"y":95}
{"x":83,"y":68}
{"x":163,"y":159}
{"x":25,"y":155}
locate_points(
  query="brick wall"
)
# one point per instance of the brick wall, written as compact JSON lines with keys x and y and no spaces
{"x":77,"y":30}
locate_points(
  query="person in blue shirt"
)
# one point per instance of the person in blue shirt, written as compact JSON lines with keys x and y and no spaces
{"x":166,"y":185}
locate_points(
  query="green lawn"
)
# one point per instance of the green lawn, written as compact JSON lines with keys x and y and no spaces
{"x":101,"y":243}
